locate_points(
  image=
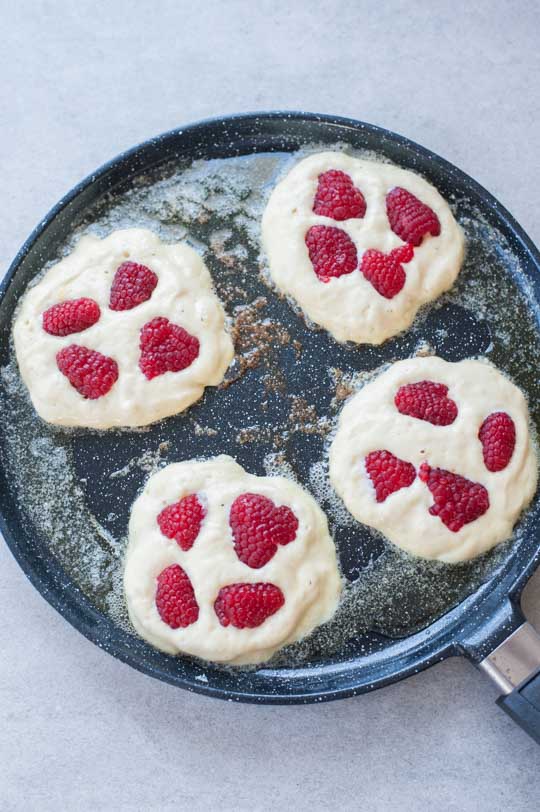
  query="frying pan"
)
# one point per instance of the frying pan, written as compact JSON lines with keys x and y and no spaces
{"x":400,"y":615}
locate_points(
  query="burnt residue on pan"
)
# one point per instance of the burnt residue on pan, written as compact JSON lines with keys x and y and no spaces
{"x":275,"y":411}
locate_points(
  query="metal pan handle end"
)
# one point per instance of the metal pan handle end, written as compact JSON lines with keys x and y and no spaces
{"x":514,"y":666}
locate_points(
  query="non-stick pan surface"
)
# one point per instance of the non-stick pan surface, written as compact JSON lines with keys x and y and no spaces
{"x":65,"y":496}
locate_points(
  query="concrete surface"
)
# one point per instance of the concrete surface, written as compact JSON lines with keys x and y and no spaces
{"x":82,"y":81}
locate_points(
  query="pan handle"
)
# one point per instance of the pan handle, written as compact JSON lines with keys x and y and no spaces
{"x":510,"y":656}
{"x":514,"y":666}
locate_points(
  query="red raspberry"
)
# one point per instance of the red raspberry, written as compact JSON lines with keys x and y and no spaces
{"x":409,"y":218}
{"x":175,"y":598}
{"x":258,"y":526}
{"x":89,"y":372}
{"x":247,"y":605}
{"x":337,"y":197}
{"x":388,"y":473}
{"x":182,"y":521}
{"x":72,"y":316}
{"x":426,"y":400}
{"x":457,"y":501}
{"x":385,"y":271}
{"x":498,"y":437}
{"x":331,"y":251}
{"x":166,"y":347}
{"x":132,"y":285}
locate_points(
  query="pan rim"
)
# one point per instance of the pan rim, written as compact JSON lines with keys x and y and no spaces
{"x":443,"y":642}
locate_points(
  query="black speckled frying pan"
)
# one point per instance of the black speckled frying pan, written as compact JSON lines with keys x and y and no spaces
{"x":65,"y":495}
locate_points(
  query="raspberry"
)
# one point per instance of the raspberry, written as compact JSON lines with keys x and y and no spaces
{"x":498,"y":437}
{"x":409,"y":218}
{"x":258,"y":526}
{"x":166,"y":347}
{"x":426,"y":400}
{"x":182,"y":521}
{"x":388,"y":473}
{"x":331,"y":251}
{"x":247,"y":605}
{"x":337,"y":197}
{"x":72,"y":316}
{"x":175,"y":598}
{"x":385,"y":271}
{"x":132,"y":285}
{"x":89,"y":372}
{"x":457,"y":501}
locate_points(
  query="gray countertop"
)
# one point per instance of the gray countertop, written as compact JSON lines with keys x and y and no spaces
{"x":83,"y":81}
